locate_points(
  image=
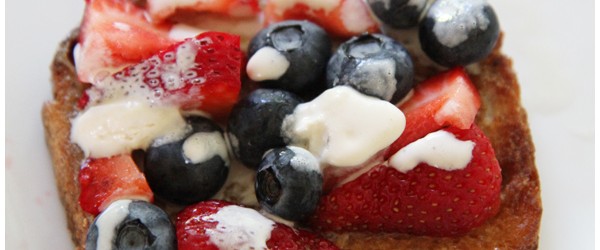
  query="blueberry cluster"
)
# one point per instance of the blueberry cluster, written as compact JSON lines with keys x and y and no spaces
{"x":451,"y":32}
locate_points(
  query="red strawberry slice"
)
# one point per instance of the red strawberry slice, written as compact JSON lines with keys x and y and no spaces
{"x":424,"y":201}
{"x":198,"y":73}
{"x":446,"y":99}
{"x":345,"y":18}
{"x":204,"y":225}
{"x":115,"y":33}
{"x":105,"y":180}
{"x":163,"y":9}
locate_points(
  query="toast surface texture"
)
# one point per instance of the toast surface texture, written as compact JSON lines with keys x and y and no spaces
{"x":501,"y":117}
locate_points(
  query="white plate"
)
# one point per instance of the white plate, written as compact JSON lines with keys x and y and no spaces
{"x":552,"y":47}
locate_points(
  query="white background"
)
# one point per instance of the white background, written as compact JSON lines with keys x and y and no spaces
{"x":551,"y":42}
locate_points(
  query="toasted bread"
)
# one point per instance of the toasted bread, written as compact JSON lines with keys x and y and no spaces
{"x":501,"y":117}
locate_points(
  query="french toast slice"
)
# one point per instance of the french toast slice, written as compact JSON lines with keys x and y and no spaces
{"x":501,"y":117}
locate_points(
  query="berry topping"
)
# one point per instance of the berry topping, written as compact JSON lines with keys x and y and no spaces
{"x":459,"y":32}
{"x":289,"y":183}
{"x":105,"y":180}
{"x":290,"y":55}
{"x":398,"y":14}
{"x":114,"y":34}
{"x":128,"y":224}
{"x":199,"y":73}
{"x":255,"y":123}
{"x":344,"y":18}
{"x":446,"y":99}
{"x":162,"y":9}
{"x":222,"y":225}
{"x":373,"y":64}
{"x":190,"y":169}
{"x":426,"y":200}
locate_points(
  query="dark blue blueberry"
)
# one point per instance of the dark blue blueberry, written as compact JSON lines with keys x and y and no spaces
{"x":191,"y":169}
{"x":255,"y":123}
{"x":306,"y":47}
{"x":459,"y":32}
{"x":398,"y":14}
{"x":289,"y":183}
{"x":373,"y":64}
{"x":128,"y":224}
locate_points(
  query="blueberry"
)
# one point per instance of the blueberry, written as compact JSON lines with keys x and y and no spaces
{"x":302,"y":45}
{"x":255,"y":123}
{"x":398,"y":14}
{"x":459,"y":32}
{"x":373,"y":64}
{"x":127,"y":224}
{"x":190,"y":169}
{"x":289,"y":183}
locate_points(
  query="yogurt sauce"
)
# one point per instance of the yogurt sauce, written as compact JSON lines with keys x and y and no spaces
{"x":343,"y":127}
{"x":267,"y":64}
{"x":108,"y":220}
{"x":439,"y":149}
{"x":239,"y":228}
{"x":202,"y":146}
{"x":453,"y":26}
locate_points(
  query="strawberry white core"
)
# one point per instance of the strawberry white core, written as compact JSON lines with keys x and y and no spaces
{"x":239,"y":228}
{"x":439,"y":149}
{"x":343,"y":127}
{"x":356,"y":16}
{"x":326,"y":5}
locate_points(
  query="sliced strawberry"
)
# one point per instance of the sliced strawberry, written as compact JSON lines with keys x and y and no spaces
{"x":115,"y":33}
{"x":446,"y":99}
{"x":344,"y":18}
{"x":163,"y":9}
{"x":105,"y":180}
{"x":198,"y":227}
{"x":198,"y":73}
{"x":424,"y":201}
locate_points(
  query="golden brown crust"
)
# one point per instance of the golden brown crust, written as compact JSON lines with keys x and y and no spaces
{"x":66,"y":157}
{"x":502,"y":118}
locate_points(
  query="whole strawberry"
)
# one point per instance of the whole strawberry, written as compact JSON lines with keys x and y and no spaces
{"x":425,"y":200}
{"x":223,"y":225}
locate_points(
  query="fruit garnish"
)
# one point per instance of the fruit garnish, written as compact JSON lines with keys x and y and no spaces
{"x":343,"y":18}
{"x":446,"y":99}
{"x":255,"y":123}
{"x":425,"y":200}
{"x":114,"y":34}
{"x":105,"y":180}
{"x":373,"y":64}
{"x":189,"y":169}
{"x":459,"y":32}
{"x":162,"y":9}
{"x":131,"y":224}
{"x":198,"y":73}
{"x":222,"y":225}
{"x":303,"y":46}
{"x":289,"y":183}
{"x":398,"y":14}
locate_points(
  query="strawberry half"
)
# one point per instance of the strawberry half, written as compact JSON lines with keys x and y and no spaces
{"x":424,"y":201}
{"x":198,"y":73}
{"x":163,"y":9}
{"x":105,"y":180}
{"x":446,"y":99}
{"x":115,"y":33}
{"x":205,"y":224}
{"x":344,"y":18}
